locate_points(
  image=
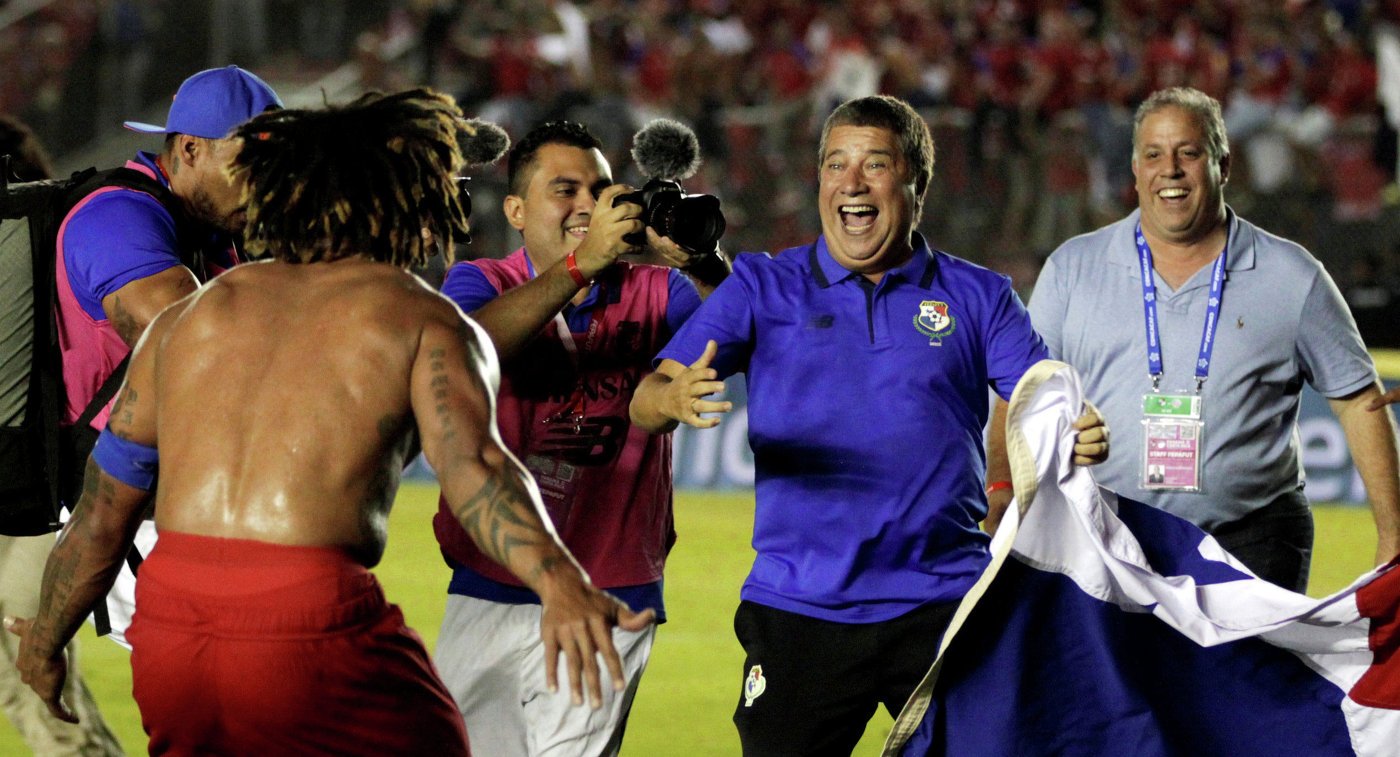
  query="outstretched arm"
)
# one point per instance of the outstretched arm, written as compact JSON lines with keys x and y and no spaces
{"x":85,"y":561}
{"x":517,"y":315}
{"x":453,"y":393}
{"x":675,"y":394}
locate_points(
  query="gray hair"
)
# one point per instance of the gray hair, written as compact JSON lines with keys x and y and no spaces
{"x":1203,"y":107}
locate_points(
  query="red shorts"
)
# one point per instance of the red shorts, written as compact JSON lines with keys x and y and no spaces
{"x":245,"y":647}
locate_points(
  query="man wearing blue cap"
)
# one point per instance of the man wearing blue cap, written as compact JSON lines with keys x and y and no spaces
{"x":145,"y":236}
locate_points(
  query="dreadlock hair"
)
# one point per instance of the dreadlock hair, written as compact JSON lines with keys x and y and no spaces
{"x":365,"y":178}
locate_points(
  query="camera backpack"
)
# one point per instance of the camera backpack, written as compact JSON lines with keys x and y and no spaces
{"x":40,"y":458}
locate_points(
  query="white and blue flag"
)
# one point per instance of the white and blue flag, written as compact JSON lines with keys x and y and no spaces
{"x":1115,"y":628}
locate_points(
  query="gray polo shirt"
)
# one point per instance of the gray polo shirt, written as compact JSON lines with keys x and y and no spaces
{"x":1282,"y":322}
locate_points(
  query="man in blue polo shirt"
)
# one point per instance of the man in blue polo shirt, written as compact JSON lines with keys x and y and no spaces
{"x":124,"y":254}
{"x":868,"y":357}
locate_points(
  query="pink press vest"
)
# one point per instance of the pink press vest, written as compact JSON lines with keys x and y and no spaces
{"x":607,"y":485}
{"x":91,"y":348}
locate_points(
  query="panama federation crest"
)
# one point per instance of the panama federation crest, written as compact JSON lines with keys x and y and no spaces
{"x":754,"y":685}
{"x":935,"y":321}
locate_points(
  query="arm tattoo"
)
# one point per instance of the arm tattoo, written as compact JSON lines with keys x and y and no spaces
{"x":90,"y":474}
{"x":128,"y":328}
{"x":122,"y":410}
{"x":62,"y":579}
{"x":495,"y":518}
{"x":441,"y":384}
{"x":547,"y":565}
{"x":501,"y":517}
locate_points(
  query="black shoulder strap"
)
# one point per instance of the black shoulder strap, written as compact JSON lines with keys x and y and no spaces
{"x":189,"y":246}
{"x":105,"y":393}
{"x":101,"y":618}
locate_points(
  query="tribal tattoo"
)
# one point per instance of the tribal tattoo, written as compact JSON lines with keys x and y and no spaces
{"x":60,"y":581}
{"x":496,"y":519}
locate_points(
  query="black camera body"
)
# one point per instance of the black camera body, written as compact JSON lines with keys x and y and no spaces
{"x":695,"y":222}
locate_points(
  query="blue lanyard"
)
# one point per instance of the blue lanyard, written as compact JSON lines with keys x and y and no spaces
{"x":1149,"y":307}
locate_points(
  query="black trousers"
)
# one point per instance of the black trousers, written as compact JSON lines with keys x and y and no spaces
{"x":1274,"y":541}
{"x":811,"y":685}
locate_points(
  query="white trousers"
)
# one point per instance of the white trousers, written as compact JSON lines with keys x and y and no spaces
{"x":121,"y":600}
{"x":490,"y":656}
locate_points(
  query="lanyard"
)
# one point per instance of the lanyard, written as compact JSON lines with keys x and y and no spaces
{"x":561,"y":326}
{"x":575,"y":411}
{"x":1149,"y":307}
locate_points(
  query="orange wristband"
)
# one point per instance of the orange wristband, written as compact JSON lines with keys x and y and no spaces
{"x":997,"y":486}
{"x":571,"y":263}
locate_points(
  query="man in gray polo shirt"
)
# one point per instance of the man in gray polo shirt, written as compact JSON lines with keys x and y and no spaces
{"x":1206,"y":419}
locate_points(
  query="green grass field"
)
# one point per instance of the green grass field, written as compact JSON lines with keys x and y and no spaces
{"x":693,"y":681}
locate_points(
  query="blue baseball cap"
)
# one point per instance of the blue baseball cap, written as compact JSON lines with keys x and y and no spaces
{"x":213,"y":103}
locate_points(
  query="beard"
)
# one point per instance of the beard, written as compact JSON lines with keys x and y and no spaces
{"x":202,"y":208}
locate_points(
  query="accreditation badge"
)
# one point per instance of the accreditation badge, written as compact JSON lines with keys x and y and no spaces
{"x":1172,"y":440}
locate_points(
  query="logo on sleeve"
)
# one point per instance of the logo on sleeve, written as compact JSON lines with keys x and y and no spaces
{"x":934,"y":321}
{"x":754,"y":685}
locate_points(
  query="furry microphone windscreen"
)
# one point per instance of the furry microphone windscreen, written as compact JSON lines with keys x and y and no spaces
{"x":481,"y":142}
{"x":666,"y":149}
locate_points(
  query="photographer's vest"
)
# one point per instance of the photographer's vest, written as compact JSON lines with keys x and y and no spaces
{"x":563,"y":410}
{"x":91,"y":347}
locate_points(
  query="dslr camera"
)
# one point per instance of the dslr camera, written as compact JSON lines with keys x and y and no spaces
{"x":695,"y":222}
{"x":667,"y":151}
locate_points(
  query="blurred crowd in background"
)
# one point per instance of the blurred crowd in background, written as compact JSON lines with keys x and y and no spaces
{"x":1030,"y":101}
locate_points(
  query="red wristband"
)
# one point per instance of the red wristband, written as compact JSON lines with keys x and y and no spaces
{"x":997,"y":486}
{"x":571,"y":263}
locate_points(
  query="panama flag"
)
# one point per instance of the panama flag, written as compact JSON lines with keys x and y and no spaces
{"x":1118,"y":629}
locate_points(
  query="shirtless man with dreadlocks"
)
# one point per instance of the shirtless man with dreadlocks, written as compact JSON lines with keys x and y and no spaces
{"x":284,"y":398}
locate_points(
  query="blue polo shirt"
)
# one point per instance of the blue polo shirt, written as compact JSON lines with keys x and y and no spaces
{"x":120,"y":236}
{"x":866,"y":409}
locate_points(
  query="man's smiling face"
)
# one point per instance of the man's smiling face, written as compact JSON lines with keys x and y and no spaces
{"x":1180,"y":185}
{"x":553,"y":214}
{"x":867,"y":199}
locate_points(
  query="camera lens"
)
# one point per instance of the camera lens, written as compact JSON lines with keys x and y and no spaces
{"x":696,"y":223}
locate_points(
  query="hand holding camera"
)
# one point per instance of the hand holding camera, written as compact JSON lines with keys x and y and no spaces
{"x":611,"y":231}
{"x":682,"y":230}
{"x":661,"y":251}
